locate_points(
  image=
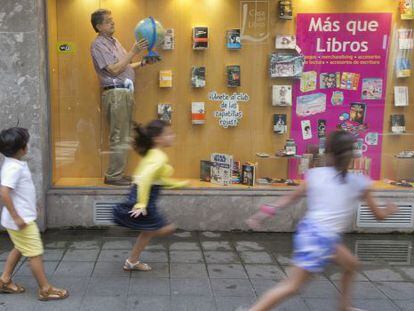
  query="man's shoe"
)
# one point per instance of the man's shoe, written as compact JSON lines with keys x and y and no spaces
{"x":118,"y":182}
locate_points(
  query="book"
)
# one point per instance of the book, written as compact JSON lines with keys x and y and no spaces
{"x":198,"y":113}
{"x":285,"y":9}
{"x":330,"y":80}
{"x":200,"y":38}
{"x":397,"y":123}
{"x":308,"y":81}
{"x":169,"y":39}
{"x":285,"y":65}
{"x":233,"y":39}
{"x":165,"y":112}
{"x":403,"y":67}
{"x":248,"y":174}
{"x":350,"y":81}
{"x":233,"y":76}
{"x":405,"y":39}
{"x":198,"y":77}
{"x":221,"y":168}
{"x":285,"y":42}
{"x":371,"y":88}
{"x":281,"y":95}
{"x":407,"y":9}
{"x":321,"y":128}
{"x":165,"y":78}
{"x":401,"y":96}
{"x":205,"y":170}
{"x":357,"y":112}
{"x":236,"y":172}
{"x":279,"y":123}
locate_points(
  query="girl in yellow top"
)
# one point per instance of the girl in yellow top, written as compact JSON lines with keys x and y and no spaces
{"x":139,"y":211}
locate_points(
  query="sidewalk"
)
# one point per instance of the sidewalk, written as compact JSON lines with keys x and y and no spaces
{"x":203,"y":271}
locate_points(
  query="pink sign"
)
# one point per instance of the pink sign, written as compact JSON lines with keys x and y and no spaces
{"x":343,"y":84}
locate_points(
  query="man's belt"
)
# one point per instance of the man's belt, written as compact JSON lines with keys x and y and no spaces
{"x":110,"y":87}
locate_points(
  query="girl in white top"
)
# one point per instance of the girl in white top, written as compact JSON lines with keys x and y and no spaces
{"x":332,"y":193}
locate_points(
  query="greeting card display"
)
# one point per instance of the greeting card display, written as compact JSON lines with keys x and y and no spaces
{"x":200,"y":38}
{"x":169,"y":40}
{"x":285,"y":42}
{"x":198,"y":77}
{"x":283,"y":65}
{"x":165,"y":112}
{"x":233,"y":76}
{"x":281,"y":95}
{"x":233,"y":39}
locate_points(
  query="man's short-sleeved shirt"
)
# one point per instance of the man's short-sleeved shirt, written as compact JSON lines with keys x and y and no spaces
{"x":106,"y":51}
{"x":15,"y":174}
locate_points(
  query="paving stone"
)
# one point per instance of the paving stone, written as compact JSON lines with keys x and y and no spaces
{"x":49,"y":266}
{"x":211,"y":235}
{"x":109,"y":268}
{"x":262,"y":285}
{"x":184,"y":234}
{"x":265,"y":272}
{"x":159,"y":270}
{"x":154,"y":256}
{"x":109,"y":286}
{"x":53,"y":254}
{"x":81,"y":255}
{"x":408,"y":273}
{"x":85,"y":245}
{"x":397,"y":290}
{"x":321,"y":304}
{"x":232,"y":288}
{"x":148,"y":287}
{"x":383,"y":274}
{"x":364,"y":290}
{"x":221,"y":257}
{"x":226,"y":271}
{"x":190,"y":287}
{"x":70,"y":268}
{"x":56,"y":244}
{"x":125,"y":244}
{"x":283,"y":260}
{"x":149,"y":303}
{"x":184,"y":246}
{"x":188,"y":270}
{"x":99,"y":303}
{"x":216,"y":246}
{"x":334,"y":273}
{"x":191,"y":303}
{"x":256,"y":257}
{"x":319,"y":289}
{"x":375,"y":304}
{"x":405,"y":305}
{"x":242,"y":246}
{"x":234,"y":303}
{"x":186,"y":256}
{"x":114,"y":255}
{"x":292,"y":304}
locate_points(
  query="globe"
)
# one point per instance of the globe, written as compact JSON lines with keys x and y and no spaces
{"x":151,"y":30}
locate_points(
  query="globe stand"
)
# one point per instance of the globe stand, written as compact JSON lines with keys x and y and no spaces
{"x":152,"y":56}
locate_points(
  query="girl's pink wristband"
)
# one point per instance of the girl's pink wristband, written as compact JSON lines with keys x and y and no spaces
{"x":268,"y":209}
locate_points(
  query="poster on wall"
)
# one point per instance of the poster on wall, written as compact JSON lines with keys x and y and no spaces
{"x":344,"y":80}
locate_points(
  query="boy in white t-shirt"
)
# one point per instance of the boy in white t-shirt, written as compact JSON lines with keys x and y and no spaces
{"x":19,"y":214}
{"x":332,"y":194}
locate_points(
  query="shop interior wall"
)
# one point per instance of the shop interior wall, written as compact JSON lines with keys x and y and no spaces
{"x":79,"y":132}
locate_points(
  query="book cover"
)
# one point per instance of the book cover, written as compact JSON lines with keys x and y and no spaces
{"x":371,"y":88}
{"x":279,"y":123}
{"x":200,"y":38}
{"x":221,"y":168}
{"x":233,"y":76}
{"x":401,"y":96}
{"x":236,"y":172}
{"x":403,"y":67}
{"x":248,"y":174}
{"x":405,"y":39}
{"x":165,"y":112}
{"x":350,"y":81}
{"x":286,"y":65}
{"x":308,"y":81}
{"x":407,"y":9}
{"x":205,"y":170}
{"x":198,"y":77}
{"x":285,"y":42}
{"x":321,"y":128}
{"x":330,"y":80}
{"x":357,"y":112}
{"x":285,"y":9}
{"x":198,"y":113}
{"x":165,"y":78}
{"x":281,"y":95}
{"x":397,"y":123}
{"x":169,"y":39}
{"x":233,"y":39}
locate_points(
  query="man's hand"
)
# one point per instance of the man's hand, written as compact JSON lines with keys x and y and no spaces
{"x":139,"y":46}
{"x":20,"y":222}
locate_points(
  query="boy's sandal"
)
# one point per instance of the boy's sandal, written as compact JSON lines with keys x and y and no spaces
{"x":5,"y":287}
{"x":138,"y":266}
{"x":53,"y":293}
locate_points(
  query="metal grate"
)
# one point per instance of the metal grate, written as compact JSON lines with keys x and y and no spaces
{"x":102,"y":213}
{"x":392,"y":252}
{"x":404,"y":218}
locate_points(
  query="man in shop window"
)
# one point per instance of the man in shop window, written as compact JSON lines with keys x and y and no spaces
{"x":115,"y":69}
